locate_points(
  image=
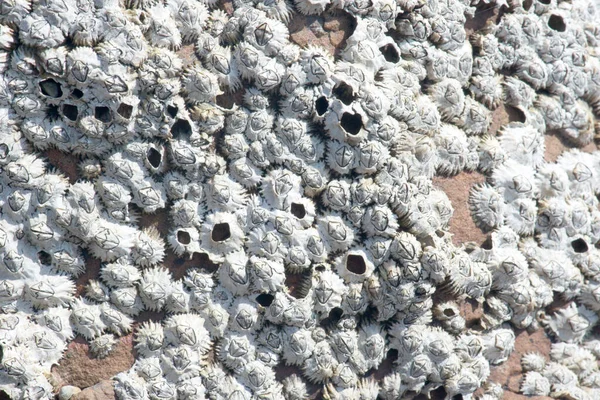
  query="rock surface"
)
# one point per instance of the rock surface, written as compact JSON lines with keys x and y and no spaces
{"x":101,"y":391}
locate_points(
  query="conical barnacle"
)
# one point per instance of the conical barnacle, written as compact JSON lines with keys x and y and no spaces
{"x":49,"y":291}
{"x":448,"y":97}
{"x":336,"y":234}
{"x":448,"y":314}
{"x":102,"y":345}
{"x":452,"y":150}
{"x":96,"y":291}
{"x":533,"y":362}
{"x":514,"y":181}
{"x":154,"y":287}
{"x":571,"y":324}
{"x":86,"y":319}
{"x":487,"y":207}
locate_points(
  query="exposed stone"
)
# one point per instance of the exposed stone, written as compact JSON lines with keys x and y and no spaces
{"x":67,"y":392}
{"x":101,"y":391}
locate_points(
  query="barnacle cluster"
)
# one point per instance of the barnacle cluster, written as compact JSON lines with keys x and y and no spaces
{"x":322,"y":169}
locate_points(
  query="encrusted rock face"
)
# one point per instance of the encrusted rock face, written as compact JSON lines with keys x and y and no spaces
{"x":314,"y":155}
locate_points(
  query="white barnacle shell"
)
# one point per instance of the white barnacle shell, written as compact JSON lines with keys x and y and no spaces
{"x":49,"y":291}
{"x":355,"y":265}
{"x":236,"y":350}
{"x":328,"y":289}
{"x":336,"y":233}
{"x":221,"y":234}
{"x":102,"y":345}
{"x":86,"y":319}
{"x":120,"y":274}
{"x":515,"y":181}
{"x":448,"y":314}
{"x":266,"y":275}
{"x":188,"y":330}
{"x":487,"y":207}
{"x":244,"y":316}
{"x":448,"y":96}
{"x":552,"y":180}
{"x":535,"y":384}
{"x":499,"y":344}
{"x":233,"y":273}
{"x":294,"y":388}
{"x":571,"y":324}
{"x":452,"y":149}
{"x":533,"y":362}
{"x":149,"y":338}
{"x":154,"y":287}
{"x":518,"y":93}
{"x":523,"y":144}
{"x":321,"y":365}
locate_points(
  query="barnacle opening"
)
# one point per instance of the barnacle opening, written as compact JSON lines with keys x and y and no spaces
{"x":181,"y":129}
{"x":515,"y":114}
{"x":298,"y":210}
{"x":557,"y":23}
{"x":50,"y":88}
{"x":76,"y":94}
{"x":356,"y":264}
{"x":125,"y":110}
{"x":52,"y":112}
{"x":449,"y":312}
{"x":390,"y":53}
{"x":265,"y":299}
{"x":321,"y":105}
{"x":527,"y":4}
{"x":70,"y":111}
{"x":221,"y":232}
{"x":154,"y":157}
{"x":333,"y":318}
{"x":172,"y":111}
{"x":183,"y":237}
{"x":344,"y":92}
{"x":579,"y":245}
{"x":102,"y":113}
{"x":351,"y":123}
{"x":44,"y":258}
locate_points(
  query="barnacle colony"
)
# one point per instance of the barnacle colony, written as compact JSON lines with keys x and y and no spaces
{"x":321,"y":169}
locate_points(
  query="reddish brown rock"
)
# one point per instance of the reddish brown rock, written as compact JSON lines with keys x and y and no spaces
{"x":78,"y":368}
{"x":457,"y":189}
{"x":100,"y":391}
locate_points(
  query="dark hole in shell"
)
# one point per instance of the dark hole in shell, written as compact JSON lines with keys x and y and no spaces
{"x":579,"y":246}
{"x":333,"y":318}
{"x":181,"y":129}
{"x":172,"y":111}
{"x":70,"y":111}
{"x":344,"y":92}
{"x":351,"y":123}
{"x":44,"y":258}
{"x":265,"y":299}
{"x":449,"y":312}
{"x":298,"y":210}
{"x":154,"y":157}
{"x":102,"y":113}
{"x":76,"y":94}
{"x":125,"y":110}
{"x":556,"y":22}
{"x":356,"y":264}
{"x":321,"y":105}
{"x":183,"y":237}
{"x":515,"y":114}
{"x":51,"y":88}
{"x":390,"y":53}
{"x":221,"y":232}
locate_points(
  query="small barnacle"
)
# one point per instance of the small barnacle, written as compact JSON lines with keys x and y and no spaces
{"x":487,"y":207}
{"x":533,"y":362}
{"x":102,"y":345}
{"x":321,"y":365}
{"x":86,"y":319}
{"x":498,"y":345}
{"x":571,"y":324}
{"x":154,"y":287}
{"x":523,"y":144}
{"x":475,"y":118}
{"x":518,"y":93}
{"x":448,"y":97}
{"x":294,"y":388}
{"x":236,"y":350}
{"x":448,"y":314}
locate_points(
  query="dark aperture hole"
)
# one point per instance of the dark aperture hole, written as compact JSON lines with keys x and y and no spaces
{"x":579,"y":246}
{"x":556,"y":23}
{"x":392,"y":355}
{"x":448,"y":312}
{"x":457,"y":397}
{"x":221,"y":232}
{"x":545,"y":2}
{"x":390,"y":53}
{"x":527,"y":4}
{"x":333,"y":318}
{"x":344,"y":92}
{"x":172,"y":111}
{"x":102,"y":113}
{"x":154,"y":157}
{"x":320,"y":268}
{"x":181,"y":129}
{"x":515,"y":114}
{"x":70,"y":111}
{"x":76,"y":94}
{"x":321,"y":105}
{"x":44,"y":258}
{"x":352,"y":123}
{"x":356,"y":264}
{"x":298,"y":210}
{"x":52,"y":112}
{"x":264,"y":299}
{"x":51,"y":88}
{"x":183,"y":237}
{"x":125,"y":110}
